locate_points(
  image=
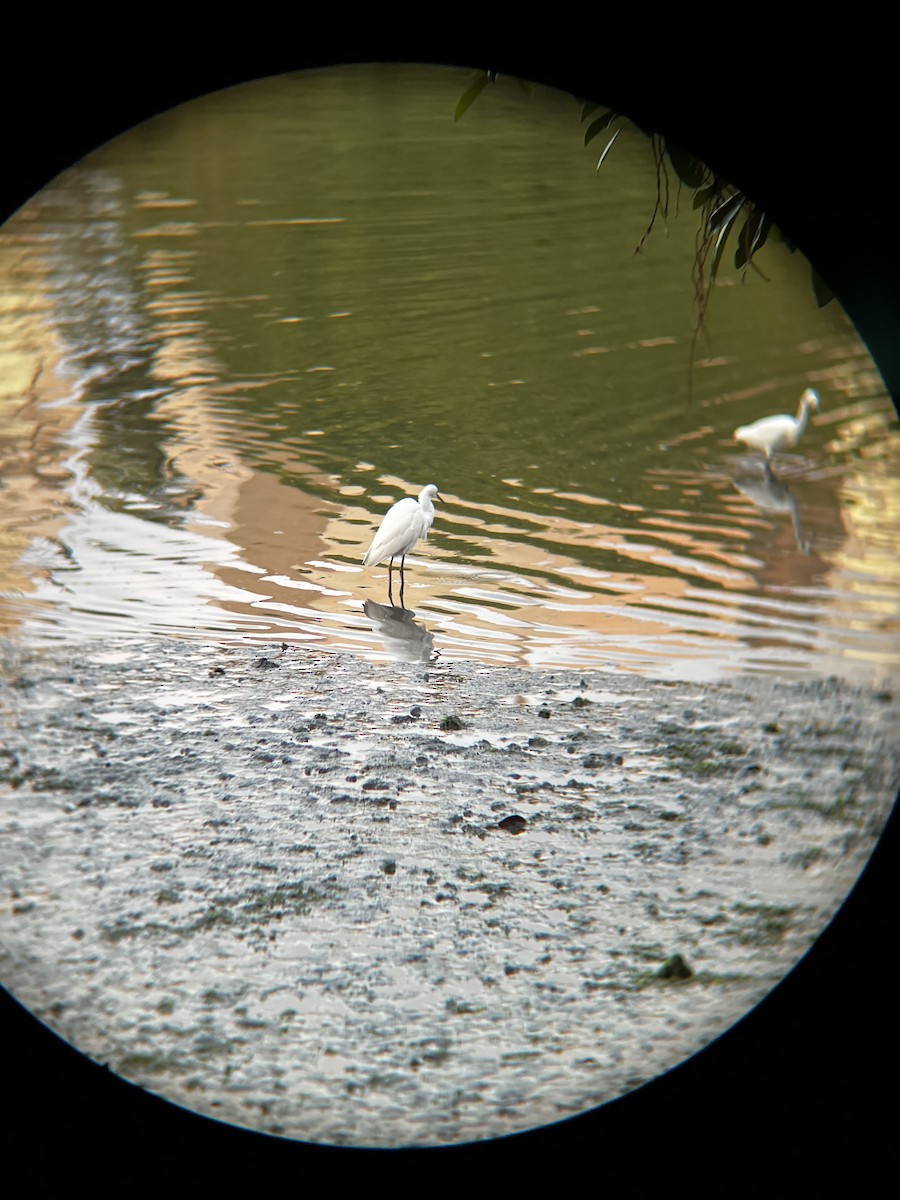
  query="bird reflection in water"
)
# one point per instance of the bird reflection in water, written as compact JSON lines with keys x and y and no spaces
{"x":770,"y":494}
{"x":404,"y":639}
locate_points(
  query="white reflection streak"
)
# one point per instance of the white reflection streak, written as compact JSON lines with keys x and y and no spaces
{"x":286,"y":581}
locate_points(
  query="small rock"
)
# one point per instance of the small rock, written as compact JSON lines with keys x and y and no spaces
{"x":452,"y":722}
{"x":675,"y":967}
{"x":602,"y":760}
{"x":512,"y":824}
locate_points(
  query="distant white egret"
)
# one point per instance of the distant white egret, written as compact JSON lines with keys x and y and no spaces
{"x":771,"y":435}
{"x":403,"y":525}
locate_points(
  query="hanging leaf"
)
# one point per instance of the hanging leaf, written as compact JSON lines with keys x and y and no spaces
{"x":720,"y":246}
{"x":765,"y":225}
{"x":702,"y":194}
{"x":608,"y":148}
{"x":725,"y":212}
{"x":747,"y":239}
{"x":742,"y":252}
{"x":470,"y":95}
{"x":689,"y":170}
{"x":599,"y":125}
{"x":824,"y":294}
{"x":588,"y":108}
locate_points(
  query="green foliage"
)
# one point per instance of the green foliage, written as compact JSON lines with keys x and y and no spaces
{"x":689,"y":170}
{"x":723,"y":209}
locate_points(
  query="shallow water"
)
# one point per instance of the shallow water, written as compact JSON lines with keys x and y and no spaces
{"x":230,"y":339}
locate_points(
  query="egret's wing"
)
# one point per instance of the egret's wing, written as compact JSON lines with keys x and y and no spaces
{"x":393,"y":536}
{"x":767,"y":432}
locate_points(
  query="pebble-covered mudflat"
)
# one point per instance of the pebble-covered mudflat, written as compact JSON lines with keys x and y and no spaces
{"x":408,"y":904}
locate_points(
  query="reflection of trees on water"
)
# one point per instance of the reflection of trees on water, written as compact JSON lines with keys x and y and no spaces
{"x":135,"y":331}
{"x":769,"y":494}
{"x":404,"y":639}
{"x":94,"y":303}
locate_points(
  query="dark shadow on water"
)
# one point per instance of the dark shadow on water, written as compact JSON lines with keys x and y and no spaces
{"x":404,"y":639}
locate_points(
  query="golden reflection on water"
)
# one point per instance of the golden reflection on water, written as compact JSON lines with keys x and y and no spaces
{"x":736,"y":586}
{"x":38,"y":410}
{"x":526,"y":601}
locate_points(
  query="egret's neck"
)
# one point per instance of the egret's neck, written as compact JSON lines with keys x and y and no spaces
{"x":803,"y":416}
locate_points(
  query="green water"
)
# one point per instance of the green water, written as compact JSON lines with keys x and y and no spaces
{"x":233,"y":336}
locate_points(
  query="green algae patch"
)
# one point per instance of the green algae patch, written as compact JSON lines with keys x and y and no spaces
{"x":703,"y":752}
{"x":274,"y":903}
{"x":763,"y":924}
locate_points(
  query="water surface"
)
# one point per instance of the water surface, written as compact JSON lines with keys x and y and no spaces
{"x":234,"y":336}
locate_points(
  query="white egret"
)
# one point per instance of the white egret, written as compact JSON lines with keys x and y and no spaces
{"x":403,"y":525}
{"x":771,"y":435}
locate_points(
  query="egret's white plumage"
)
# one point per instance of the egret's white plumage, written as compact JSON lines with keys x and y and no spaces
{"x":771,"y":435}
{"x":403,"y":525}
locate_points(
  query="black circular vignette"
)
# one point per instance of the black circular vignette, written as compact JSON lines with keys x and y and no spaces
{"x":794,"y":1090}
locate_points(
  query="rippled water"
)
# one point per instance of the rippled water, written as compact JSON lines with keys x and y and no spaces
{"x":231,"y":339}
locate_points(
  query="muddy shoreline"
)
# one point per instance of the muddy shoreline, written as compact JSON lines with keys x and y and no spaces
{"x":409,"y":904}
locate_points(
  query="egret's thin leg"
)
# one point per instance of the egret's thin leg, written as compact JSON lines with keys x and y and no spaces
{"x":390,"y":580}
